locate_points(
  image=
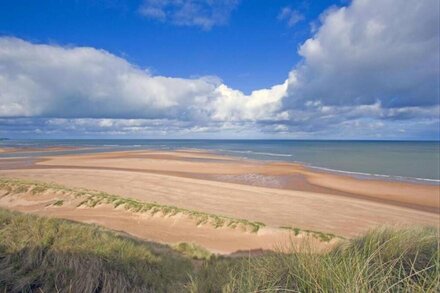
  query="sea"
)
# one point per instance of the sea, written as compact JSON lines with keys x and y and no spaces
{"x":415,"y":161}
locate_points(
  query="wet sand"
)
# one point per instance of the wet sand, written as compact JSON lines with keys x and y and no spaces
{"x":279,"y":175}
{"x":277,"y":194}
{"x":18,"y":150}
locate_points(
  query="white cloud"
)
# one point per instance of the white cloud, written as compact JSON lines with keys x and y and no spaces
{"x":370,"y":69}
{"x":202,"y":13}
{"x":53,"y":81}
{"x":372,"y":50}
{"x":290,"y":16}
{"x":81,"y":82}
{"x":233,"y":105}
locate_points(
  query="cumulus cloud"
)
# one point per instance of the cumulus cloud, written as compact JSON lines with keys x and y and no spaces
{"x":383,"y":51}
{"x":202,"y":13}
{"x":81,"y":82}
{"x":371,"y":69}
{"x":264,"y":104}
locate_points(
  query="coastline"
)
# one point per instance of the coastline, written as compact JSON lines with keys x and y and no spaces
{"x":19,"y":150}
{"x":230,"y":169}
{"x":370,"y":176}
{"x":317,"y":168}
{"x":59,"y":150}
{"x":279,"y":194}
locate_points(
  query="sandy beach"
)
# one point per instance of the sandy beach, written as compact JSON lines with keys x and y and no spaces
{"x":18,"y":150}
{"x":276,"y":194}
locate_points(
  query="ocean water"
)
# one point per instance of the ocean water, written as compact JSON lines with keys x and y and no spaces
{"x":394,"y":160}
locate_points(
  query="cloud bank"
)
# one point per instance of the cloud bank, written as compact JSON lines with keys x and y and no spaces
{"x":371,"y":70}
{"x":372,"y":51}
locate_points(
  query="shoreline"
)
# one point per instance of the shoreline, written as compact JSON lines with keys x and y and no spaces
{"x":369,"y":176}
{"x":292,"y":176}
{"x":353,"y":174}
{"x":278,"y":194}
{"x":32,"y":152}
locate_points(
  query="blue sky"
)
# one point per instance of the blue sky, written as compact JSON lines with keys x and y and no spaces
{"x":253,"y":50}
{"x":219,"y":69}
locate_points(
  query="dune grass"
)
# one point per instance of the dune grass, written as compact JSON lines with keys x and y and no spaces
{"x":200,"y":218}
{"x":193,"y":251}
{"x":48,"y":255}
{"x":325,"y":237}
{"x":38,"y":254}
{"x":384,"y":260}
{"x":91,"y":198}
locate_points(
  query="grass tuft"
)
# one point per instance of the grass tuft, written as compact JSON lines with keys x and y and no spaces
{"x":58,"y":203}
{"x":383,"y":260}
{"x":193,"y":251}
{"x":39,"y":254}
{"x":325,"y":237}
{"x":50,"y":255}
{"x":92,"y":199}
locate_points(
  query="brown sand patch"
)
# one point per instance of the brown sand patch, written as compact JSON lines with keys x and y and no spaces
{"x":275,"y":207}
{"x":277,"y":194}
{"x":37,"y":149}
{"x":157,"y":228}
{"x":284,"y":175}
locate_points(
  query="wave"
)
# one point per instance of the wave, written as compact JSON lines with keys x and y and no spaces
{"x":119,"y":145}
{"x":353,"y":173}
{"x":257,"y":153}
{"x":395,"y":177}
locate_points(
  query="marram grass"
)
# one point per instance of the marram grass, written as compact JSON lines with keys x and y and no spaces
{"x":38,"y":254}
{"x":193,"y":251}
{"x":383,"y":260}
{"x":91,"y":198}
{"x":325,"y":237}
{"x":51,"y":255}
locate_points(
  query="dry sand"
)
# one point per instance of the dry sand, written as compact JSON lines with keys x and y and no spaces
{"x":214,"y":167}
{"x":157,"y":228}
{"x":227,"y":186}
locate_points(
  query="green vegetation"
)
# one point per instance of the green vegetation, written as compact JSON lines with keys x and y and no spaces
{"x":50,"y":255}
{"x":58,"y":203}
{"x":193,"y":251}
{"x":325,"y":237}
{"x":90,"y":198}
{"x":384,"y":260}
{"x":136,"y":206}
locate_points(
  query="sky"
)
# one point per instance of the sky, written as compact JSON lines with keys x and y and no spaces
{"x":257,"y":69}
